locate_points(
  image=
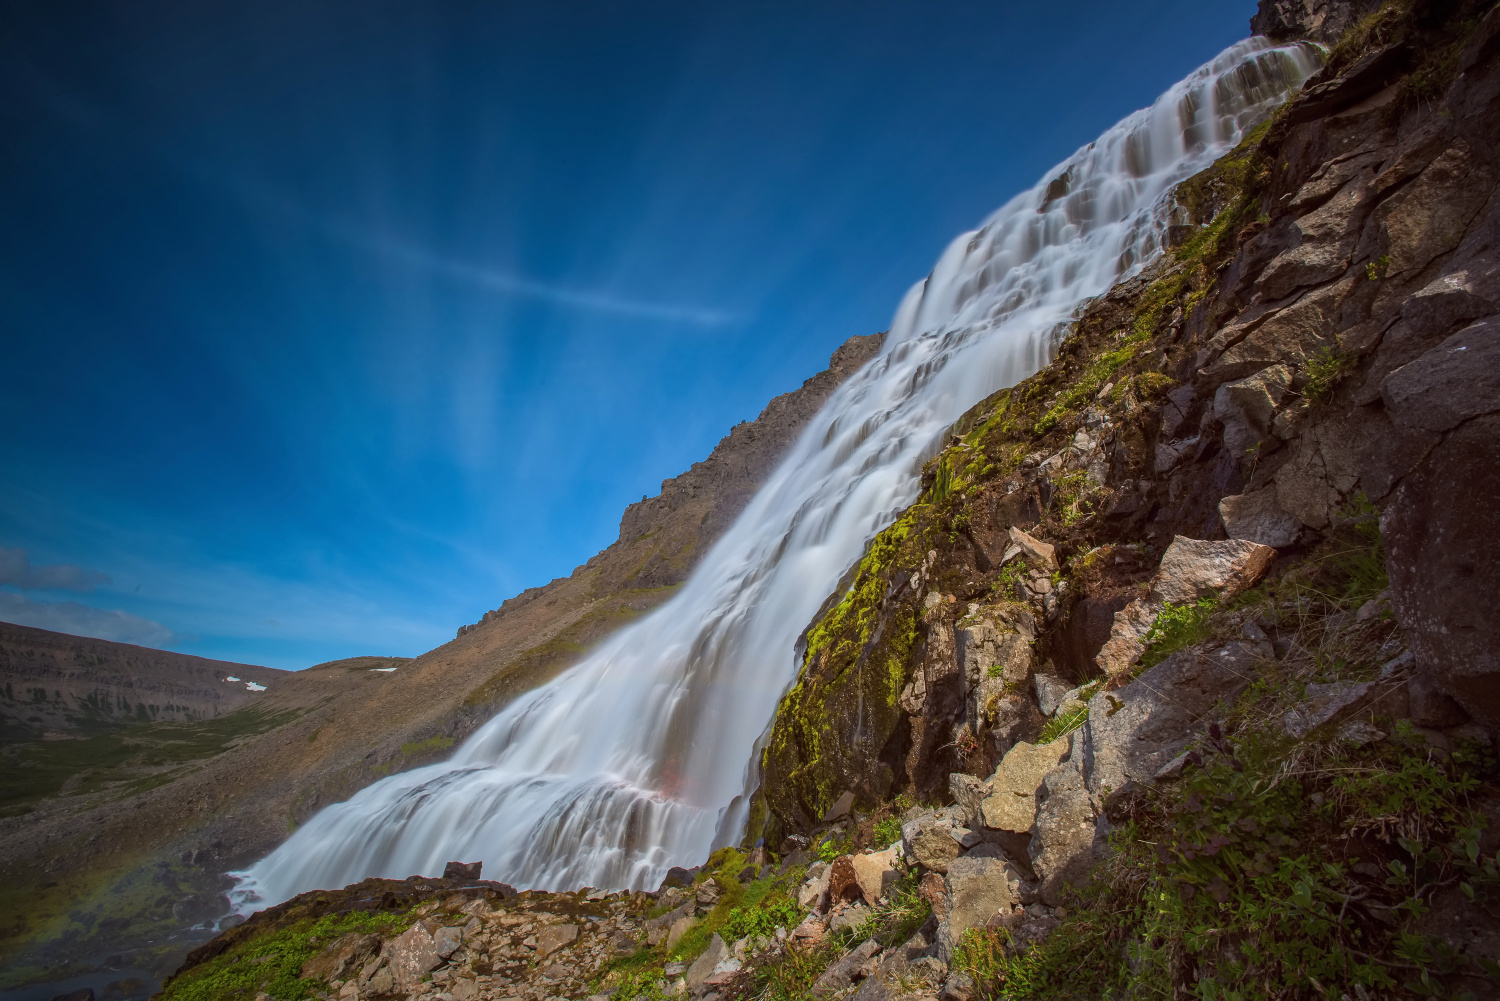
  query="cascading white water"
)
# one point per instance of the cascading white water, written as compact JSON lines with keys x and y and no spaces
{"x":643,"y":756}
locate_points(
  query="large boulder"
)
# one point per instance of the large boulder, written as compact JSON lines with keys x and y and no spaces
{"x":840,"y":975}
{"x":345,"y":953}
{"x":1133,"y":732}
{"x":412,"y":955}
{"x":1011,"y":805}
{"x":979,"y":889}
{"x":703,"y":967}
{"x":553,"y":938}
{"x":1192,"y":569}
{"x":1247,"y":406}
{"x":875,"y":873}
{"x":1127,"y":637}
{"x":1064,"y":839}
{"x":1258,"y":517}
{"x":928,"y":841}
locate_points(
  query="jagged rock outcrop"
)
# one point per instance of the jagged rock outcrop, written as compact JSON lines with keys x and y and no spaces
{"x":1320,"y":20}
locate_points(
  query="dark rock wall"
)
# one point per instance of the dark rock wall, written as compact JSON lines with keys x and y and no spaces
{"x":1324,"y":339}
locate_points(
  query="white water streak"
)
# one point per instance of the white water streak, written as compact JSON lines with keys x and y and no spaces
{"x":643,"y":756}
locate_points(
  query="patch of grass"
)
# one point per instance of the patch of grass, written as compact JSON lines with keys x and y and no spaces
{"x":273,"y":963}
{"x":888,"y":832}
{"x":834,"y":845}
{"x":1070,"y":493}
{"x":131,"y":759}
{"x":762,"y":917}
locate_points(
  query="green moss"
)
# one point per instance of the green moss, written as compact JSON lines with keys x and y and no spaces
{"x":424,"y":747}
{"x":1164,"y":292}
{"x":852,"y":619}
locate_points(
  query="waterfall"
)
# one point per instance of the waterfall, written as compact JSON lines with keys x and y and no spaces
{"x":643,"y":756}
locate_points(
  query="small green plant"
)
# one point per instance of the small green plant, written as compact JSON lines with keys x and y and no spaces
{"x":888,"y":831}
{"x":833,"y":846}
{"x":1177,"y":627}
{"x":1010,"y":584}
{"x":1376,"y":269}
{"x":1325,"y":368}
{"x":1070,"y":492}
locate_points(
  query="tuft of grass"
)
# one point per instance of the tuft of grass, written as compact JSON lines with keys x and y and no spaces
{"x":888,"y":832}
{"x":1063,"y":724}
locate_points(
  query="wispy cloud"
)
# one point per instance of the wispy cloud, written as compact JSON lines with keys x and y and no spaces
{"x":497,"y":280}
{"x":82,"y":620}
{"x":564,"y":295}
{"x":17,"y":570}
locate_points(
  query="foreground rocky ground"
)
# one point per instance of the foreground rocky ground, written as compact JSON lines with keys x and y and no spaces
{"x":1178,"y":680}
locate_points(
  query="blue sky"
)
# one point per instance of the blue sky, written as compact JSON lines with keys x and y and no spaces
{"x":327,"y":326}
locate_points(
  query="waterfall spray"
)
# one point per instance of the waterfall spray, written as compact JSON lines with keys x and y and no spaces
{"x":643,"y":756}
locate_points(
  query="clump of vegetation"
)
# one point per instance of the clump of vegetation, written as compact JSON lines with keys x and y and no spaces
{"x":791,"y":974}
{"x":1177,"y":627}
{"x":888,"y":832}
{"x":1325,"y":368}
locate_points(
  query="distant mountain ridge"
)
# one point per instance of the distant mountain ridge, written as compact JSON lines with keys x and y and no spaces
{"x":59,"y":681}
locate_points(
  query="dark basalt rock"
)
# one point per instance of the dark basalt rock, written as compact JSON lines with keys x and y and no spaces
{"x":462,"y":870}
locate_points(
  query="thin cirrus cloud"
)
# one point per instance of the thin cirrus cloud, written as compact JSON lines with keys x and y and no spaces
{"x":17,"y":570}
{"x":492,"y":279}
{"x":563,"y":295}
